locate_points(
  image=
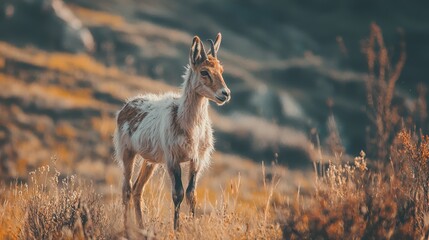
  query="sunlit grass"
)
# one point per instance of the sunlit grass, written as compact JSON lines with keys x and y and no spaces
{"x":55,"y":206}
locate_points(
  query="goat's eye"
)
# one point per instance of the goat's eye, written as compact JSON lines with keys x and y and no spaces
{"x":204,"y":73}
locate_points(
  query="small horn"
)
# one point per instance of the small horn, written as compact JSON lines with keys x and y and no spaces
{"x":212,"y":48}
{"x":203,"y":52}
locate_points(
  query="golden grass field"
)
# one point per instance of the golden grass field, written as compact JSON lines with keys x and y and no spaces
{"x":52,"y":206}
{"x":59,"y":188}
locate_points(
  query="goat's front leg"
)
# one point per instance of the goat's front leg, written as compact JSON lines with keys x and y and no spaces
{"x":177,"y":189}
{"x":191,"y":197}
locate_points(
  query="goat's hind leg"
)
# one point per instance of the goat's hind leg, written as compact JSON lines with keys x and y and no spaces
{"x":128,"y":160}
{"x":146,"y":172}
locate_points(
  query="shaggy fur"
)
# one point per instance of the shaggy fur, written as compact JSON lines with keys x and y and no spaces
{"x":172,"y":129}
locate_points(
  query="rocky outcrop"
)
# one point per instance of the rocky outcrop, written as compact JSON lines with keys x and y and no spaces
{"x":46,"y":24}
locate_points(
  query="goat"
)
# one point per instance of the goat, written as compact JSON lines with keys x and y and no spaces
{"x":171,"y":129}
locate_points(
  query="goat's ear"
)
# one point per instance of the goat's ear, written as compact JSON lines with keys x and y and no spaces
{"x":217,"y":42}
{"x":197,"y":54}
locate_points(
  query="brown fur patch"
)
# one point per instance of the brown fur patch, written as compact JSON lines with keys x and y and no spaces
{"x":135,"y":121}
{"x":131,"y":114}
{"x":126,"y":113}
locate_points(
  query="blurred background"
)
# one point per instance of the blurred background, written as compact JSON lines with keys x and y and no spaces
{"x":296,"y":70}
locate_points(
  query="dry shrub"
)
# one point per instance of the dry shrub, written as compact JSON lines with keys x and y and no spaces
{"x":411,"y":154}
{"x":58,"y":212}
{"x":380,"y":89}
{"x":53,"y":208}
{"x":352,"y":202}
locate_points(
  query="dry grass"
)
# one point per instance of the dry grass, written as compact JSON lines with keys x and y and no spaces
{"x":355,"y":203}
{"x":52,"y":206}
{"x":352,"y":202}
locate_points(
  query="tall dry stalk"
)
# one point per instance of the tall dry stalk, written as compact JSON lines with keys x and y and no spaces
{"x":421,"y":107}
{"x":380,"y":88}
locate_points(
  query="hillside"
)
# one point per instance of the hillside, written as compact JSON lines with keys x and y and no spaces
{"x":286,"y":83}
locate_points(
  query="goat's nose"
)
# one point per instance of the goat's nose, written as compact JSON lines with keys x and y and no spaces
{"x":226,"y":92}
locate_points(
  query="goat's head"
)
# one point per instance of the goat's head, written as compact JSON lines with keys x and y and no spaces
{"x":208,"y":81}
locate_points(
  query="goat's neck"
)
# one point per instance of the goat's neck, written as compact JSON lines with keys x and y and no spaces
{"x":193,"y":108}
